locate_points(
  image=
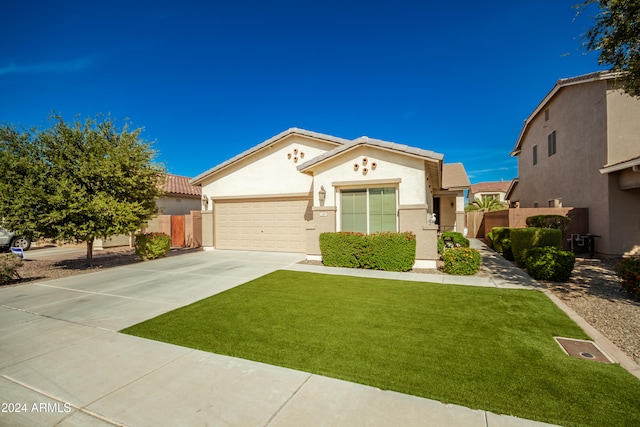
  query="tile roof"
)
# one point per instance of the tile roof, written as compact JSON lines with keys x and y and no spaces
{"x":175,"y":184}
{"x":483,"y":187}
{"x":454,"y":176}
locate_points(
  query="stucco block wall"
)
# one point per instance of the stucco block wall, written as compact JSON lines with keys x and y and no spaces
{"x":268,"y":172}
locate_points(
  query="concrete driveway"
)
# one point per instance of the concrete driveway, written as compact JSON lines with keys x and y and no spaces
{"x":62,"y":363}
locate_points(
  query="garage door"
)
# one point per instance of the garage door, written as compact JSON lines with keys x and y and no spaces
{"x":265,"y":225}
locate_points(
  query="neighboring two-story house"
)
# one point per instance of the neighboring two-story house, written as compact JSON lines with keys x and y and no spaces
{"x":580,"y":148}
{"x":489,"y":190}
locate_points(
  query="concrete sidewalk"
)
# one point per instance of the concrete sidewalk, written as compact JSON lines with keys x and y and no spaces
{"x":63,"y":363}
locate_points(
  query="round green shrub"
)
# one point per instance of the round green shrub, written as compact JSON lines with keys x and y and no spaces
{"x":523,"y":239}
{"x":152,"y":245}
{"x":461,"y":261}
{"x":549,"y":263}
{"x":458,"y":240}
{"x":628,"y":270}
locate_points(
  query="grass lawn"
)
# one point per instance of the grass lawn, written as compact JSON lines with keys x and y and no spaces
{"x":484,"y":348}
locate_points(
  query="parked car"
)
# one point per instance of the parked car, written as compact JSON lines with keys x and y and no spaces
{"x":9,"y":239}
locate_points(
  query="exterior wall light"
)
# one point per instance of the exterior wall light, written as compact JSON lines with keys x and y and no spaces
{"x":322,"y":195}
{"x":205,"y":202}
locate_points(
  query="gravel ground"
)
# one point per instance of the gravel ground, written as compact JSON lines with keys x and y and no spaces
{"x":64,"y":265}
{"x":593,"y":291}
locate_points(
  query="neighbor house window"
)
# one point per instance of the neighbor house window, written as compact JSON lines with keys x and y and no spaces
{"x":368,"y":210}
{"x":551,"y":142}
{"x":535,"y":155}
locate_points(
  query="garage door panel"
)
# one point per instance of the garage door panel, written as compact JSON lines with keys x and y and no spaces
{"x":269,"y":225}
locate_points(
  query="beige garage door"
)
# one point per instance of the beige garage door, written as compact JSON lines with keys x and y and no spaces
{"x":265,"y":225}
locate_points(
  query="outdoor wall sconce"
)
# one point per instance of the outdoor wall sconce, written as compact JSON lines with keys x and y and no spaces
{"x":322,"y":195}
{"x":356,"y":167}
{"x":205,"y":202}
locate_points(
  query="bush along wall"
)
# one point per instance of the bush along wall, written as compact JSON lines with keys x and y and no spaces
{"x":549,"y":263}
{"x":461,"y":261}
{"x":523,"y":239}
{"x":380,"y":251}
{"x":628,"y":270}
{"x":501,"y":240}
{"x":559,"y":222}
{"x":152,"y":245}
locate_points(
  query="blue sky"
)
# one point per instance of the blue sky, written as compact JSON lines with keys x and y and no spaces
{"x":208,"y":80}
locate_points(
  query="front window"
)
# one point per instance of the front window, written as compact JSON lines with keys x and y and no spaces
{"x":368,"y":210}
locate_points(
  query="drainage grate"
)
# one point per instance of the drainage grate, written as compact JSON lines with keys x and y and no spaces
{"x":582,"y":349}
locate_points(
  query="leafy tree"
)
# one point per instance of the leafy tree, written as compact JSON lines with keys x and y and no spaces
{"x":77,"y":181}
{"x":616,"y":35}
{"x":486,"y":204}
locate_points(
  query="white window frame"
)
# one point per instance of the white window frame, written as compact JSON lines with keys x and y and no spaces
{"x":367,"y":188}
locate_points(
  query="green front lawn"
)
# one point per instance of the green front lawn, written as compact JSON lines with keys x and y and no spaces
{"x":484,"y":348}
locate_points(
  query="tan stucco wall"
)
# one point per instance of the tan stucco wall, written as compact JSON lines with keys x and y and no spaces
{"x":271,"y":171}
{"x":578,"y":115}
{"x":623,"y":126}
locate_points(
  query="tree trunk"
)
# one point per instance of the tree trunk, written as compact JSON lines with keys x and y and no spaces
{"x":90,"y":252}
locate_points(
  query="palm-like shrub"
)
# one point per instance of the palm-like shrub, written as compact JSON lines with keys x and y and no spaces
{"x":486,"y":205}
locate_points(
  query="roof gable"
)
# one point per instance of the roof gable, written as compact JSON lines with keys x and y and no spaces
{"x":454,"y":177}
{"x":265,"y":144}
{"x":366,"y":141}
{"x":561,"y":84}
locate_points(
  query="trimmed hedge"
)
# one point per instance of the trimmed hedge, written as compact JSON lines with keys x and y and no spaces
{"x":9,"y":265}
{"x":549,"y":263}
{"x":628,"y":270}
{"x":458,"y":239}
{"x":380,"y":251}
{"x":523,"y":239}
{"x":461,"y":261}
{"x":501,"y":241}
{"x":152,"y":245}
{"x":559,"y":222}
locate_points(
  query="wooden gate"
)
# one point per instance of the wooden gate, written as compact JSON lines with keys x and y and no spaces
{"x":177,"y":231}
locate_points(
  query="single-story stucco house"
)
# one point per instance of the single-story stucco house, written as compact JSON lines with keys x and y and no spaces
{"x":282,"y":193}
